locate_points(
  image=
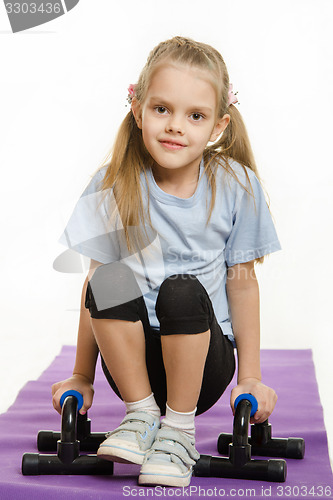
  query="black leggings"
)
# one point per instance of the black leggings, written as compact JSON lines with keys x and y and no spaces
{"x":182,"y":307}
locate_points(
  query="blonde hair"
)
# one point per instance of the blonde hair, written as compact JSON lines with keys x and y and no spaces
{"x":129,"y":158}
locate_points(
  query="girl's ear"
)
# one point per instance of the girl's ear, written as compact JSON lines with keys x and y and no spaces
{"x":136,"y":110}
{"x":220,"y":126}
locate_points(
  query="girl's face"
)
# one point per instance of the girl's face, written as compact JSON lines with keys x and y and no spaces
{"x":178,"y":116}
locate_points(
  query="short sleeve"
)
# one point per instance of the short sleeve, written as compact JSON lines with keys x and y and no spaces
{"x":253,"y":234}
{"x":89,"y":231}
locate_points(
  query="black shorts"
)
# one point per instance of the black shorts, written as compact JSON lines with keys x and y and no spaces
{"x":182,"y":307}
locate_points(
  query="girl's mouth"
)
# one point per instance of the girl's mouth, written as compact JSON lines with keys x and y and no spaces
{"x":172,"y":145}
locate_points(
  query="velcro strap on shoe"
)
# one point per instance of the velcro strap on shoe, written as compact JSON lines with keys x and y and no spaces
{"x":164,"y":447}
{"x":141,"y":416}
{"x":188,"y":456}
{"x":134,"y":421}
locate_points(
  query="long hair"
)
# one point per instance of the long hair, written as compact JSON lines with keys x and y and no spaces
{"x":129,"y":158}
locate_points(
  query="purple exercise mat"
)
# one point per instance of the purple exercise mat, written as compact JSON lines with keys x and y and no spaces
{"x":298,"y":414}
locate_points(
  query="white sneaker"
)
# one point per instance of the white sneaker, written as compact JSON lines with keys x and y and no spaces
{"x":169,"y":461}
{"x":131,"y":440}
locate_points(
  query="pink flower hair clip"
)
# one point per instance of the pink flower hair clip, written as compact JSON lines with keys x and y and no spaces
{"x":232,"y":95}
{"x":131,"y":92}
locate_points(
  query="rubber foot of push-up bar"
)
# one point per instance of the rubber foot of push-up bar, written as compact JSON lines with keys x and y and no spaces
{"x":34,"y":464}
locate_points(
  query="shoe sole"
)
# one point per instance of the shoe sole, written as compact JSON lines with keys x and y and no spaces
{"x":165,"y":480}
{"x":120,"y":455}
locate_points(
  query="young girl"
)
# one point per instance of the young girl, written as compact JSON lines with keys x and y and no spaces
{"x":173,"y":226}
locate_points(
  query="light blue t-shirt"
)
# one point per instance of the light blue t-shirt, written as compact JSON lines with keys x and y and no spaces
{"x":240,"y":230}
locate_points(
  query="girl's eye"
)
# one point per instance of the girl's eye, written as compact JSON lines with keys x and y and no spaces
{"x":161,"y":110}
{"x":196,"y":117}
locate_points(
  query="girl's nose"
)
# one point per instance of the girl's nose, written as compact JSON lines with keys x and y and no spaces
{"x":175,"y":125}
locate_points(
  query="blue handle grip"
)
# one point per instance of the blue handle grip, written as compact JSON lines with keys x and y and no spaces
{"x":78,"y":396}
{"x":249,"y":397}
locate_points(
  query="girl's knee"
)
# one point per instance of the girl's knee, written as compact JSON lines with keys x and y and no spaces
{"x":113,"y":284}
{"x":182,"y":305}
{"x":180,"y":284}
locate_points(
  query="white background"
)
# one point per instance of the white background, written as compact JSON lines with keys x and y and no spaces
{"x":63,"y":88}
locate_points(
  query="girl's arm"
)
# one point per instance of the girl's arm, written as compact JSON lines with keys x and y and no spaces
{"x":86,"y":350}
{"x":86,"y":356}
{"x":243,"y":299}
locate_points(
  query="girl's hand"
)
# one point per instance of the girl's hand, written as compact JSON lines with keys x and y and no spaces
{"x":75,"y":383}
{"x":265,"y":396}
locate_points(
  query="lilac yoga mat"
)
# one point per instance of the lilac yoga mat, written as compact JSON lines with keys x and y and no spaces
{"x":298,"y":414}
